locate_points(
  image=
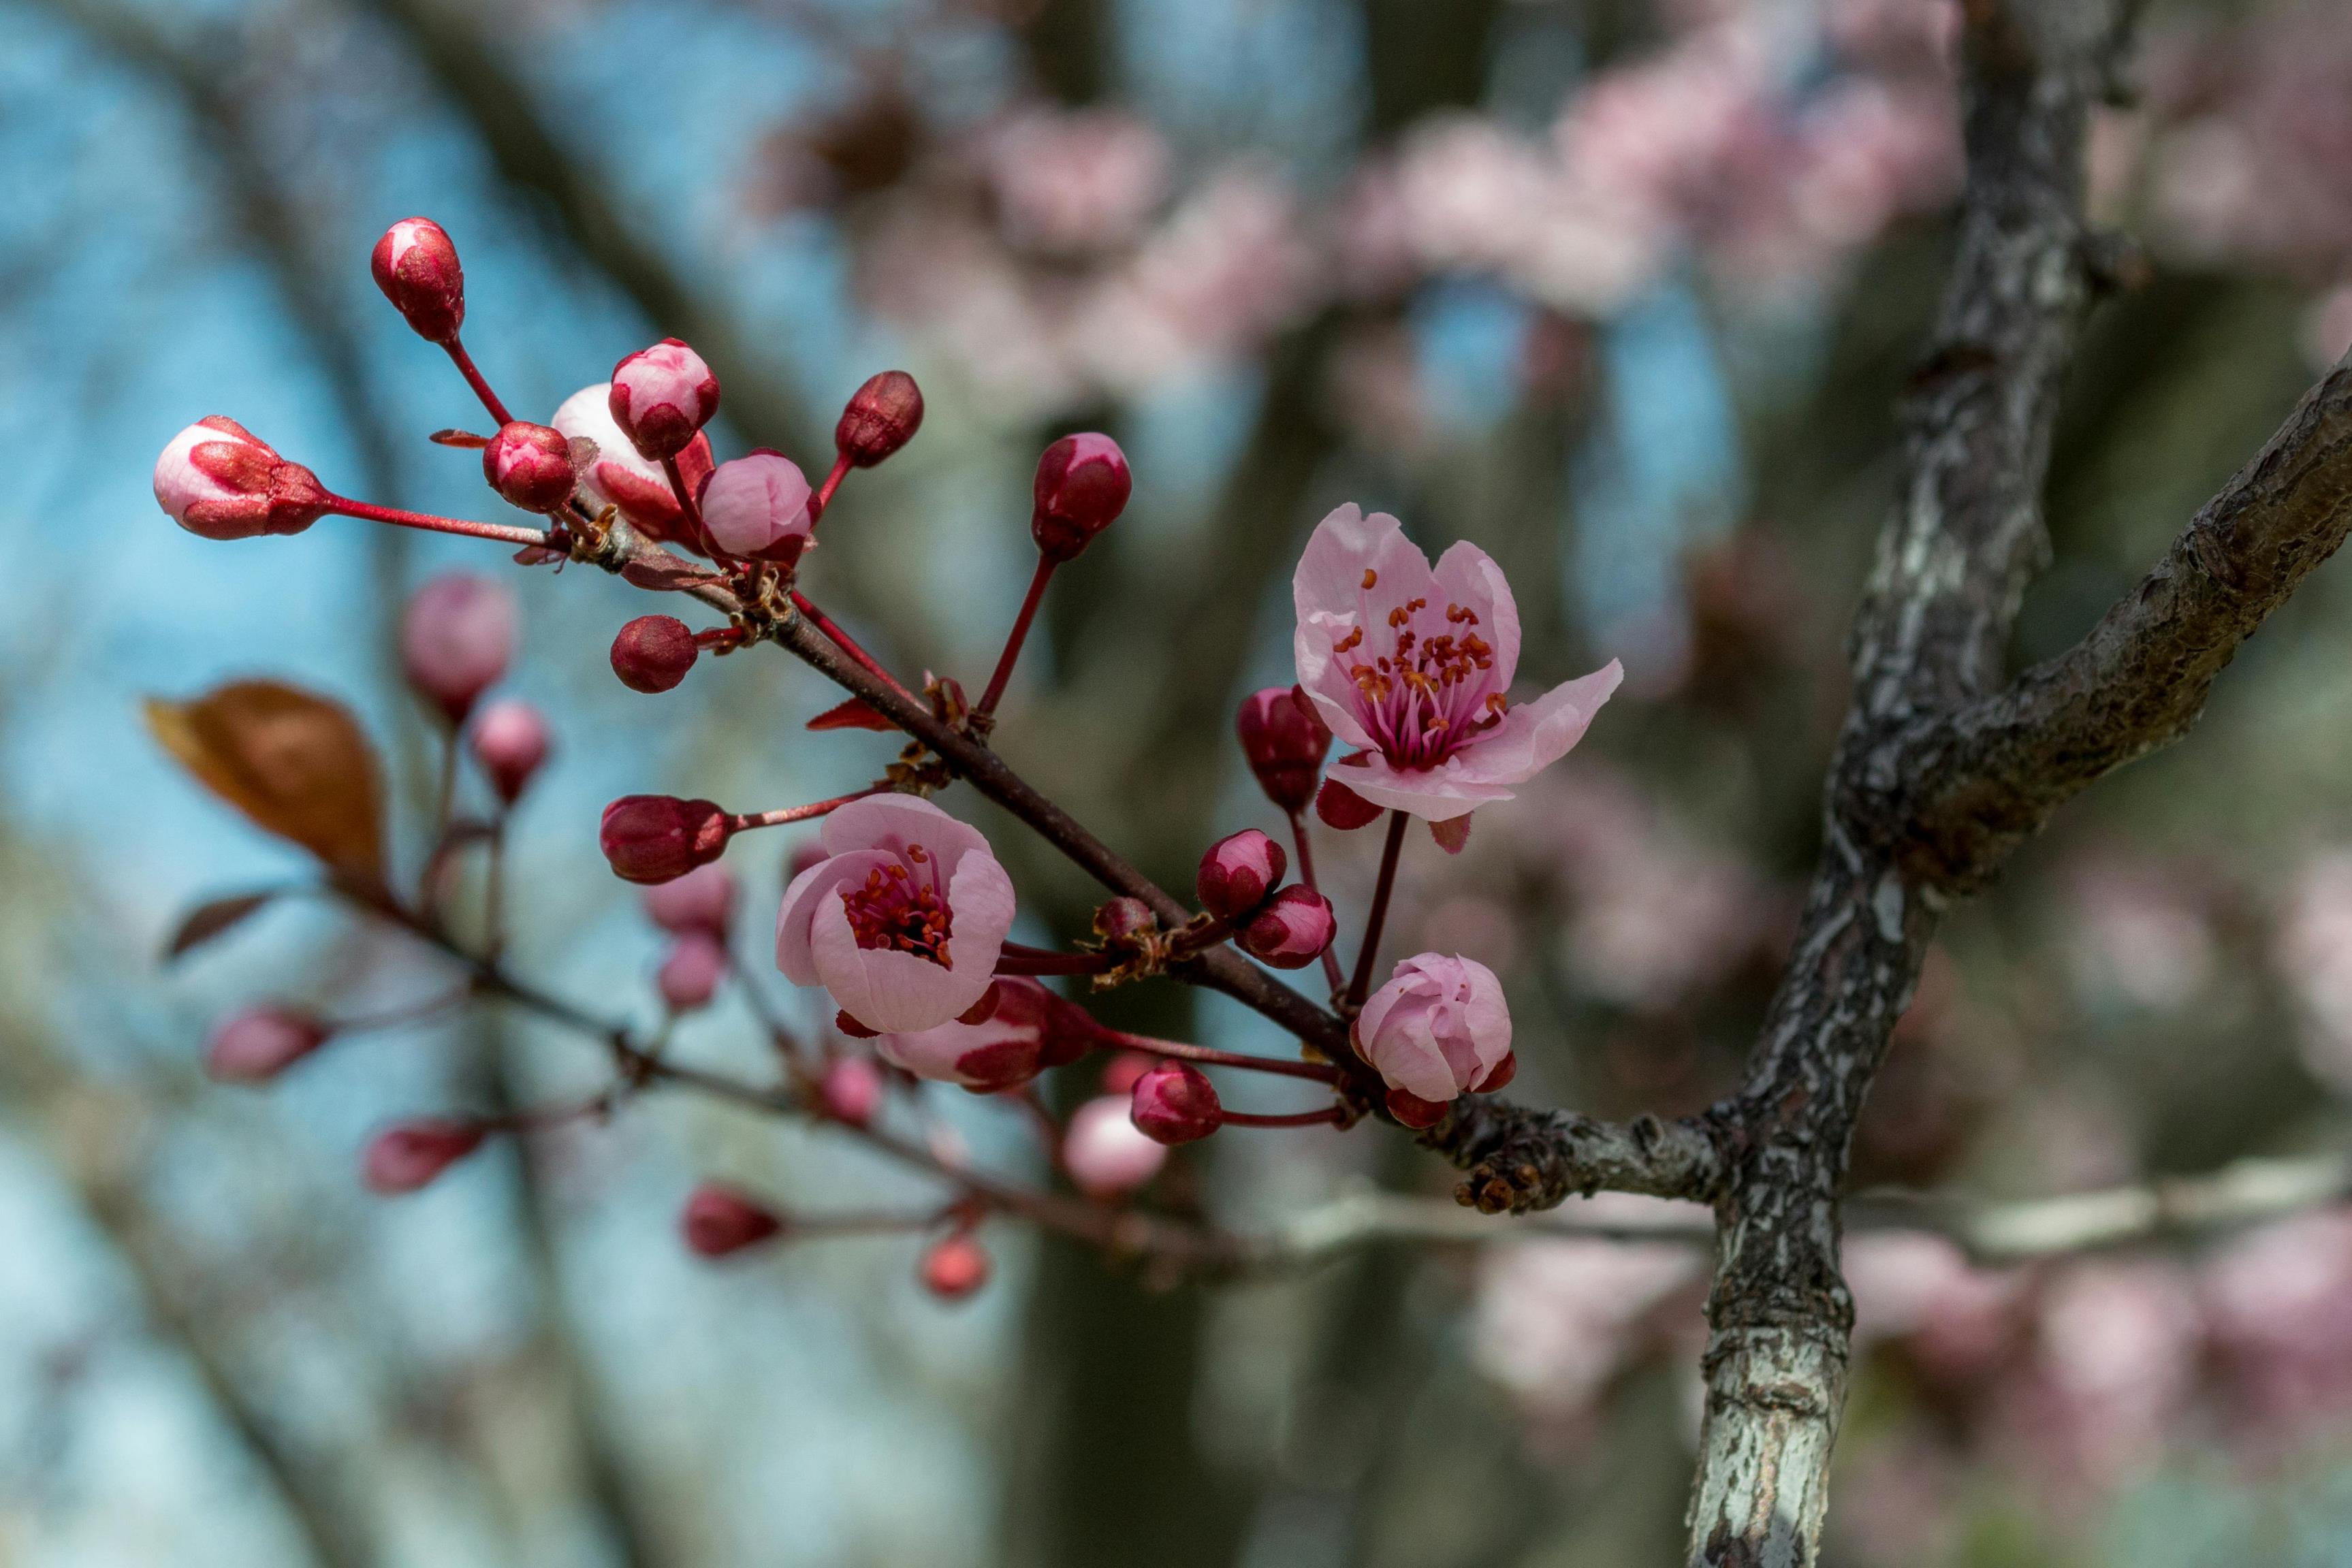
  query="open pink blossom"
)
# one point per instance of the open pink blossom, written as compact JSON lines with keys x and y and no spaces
{"x":757,"y":508}
{"x":617,"y":476}
{"x":1105,"y":1152}
{"x":903,"y":919}
{"x":1028,"y":1031}
{"x":220,"y":481}
{"x":1438,"y":1029}
{"x":1414,"y":666}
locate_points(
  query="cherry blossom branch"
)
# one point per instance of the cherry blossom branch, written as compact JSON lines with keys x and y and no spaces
{"x":847,"y":643}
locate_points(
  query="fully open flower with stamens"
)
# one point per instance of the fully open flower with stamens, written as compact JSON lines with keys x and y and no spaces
{"x":757,"y":508}
{"x":1439,"y":1028}
{"x":1030,"y":1029}
{"x":903,"y":919}
{"x":1413,"y":666}
{"x":618,"y":476}
{"x":662,"y":397}
{"x":219,"y":480}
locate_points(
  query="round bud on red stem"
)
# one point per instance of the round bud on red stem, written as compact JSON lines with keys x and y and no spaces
{"x":1082,"y":487}
{"x":509,"y":740}
{"x":529,"y":465}
{"x":1174,"y":1102}
{"x":955,"y":1267}
{"x":258,"y":1044}
{"x":1291,"y":930}
{"x":655,"y":838}
{"x":1239,"y":872}
{"x":652,"y":653}
{"x":1284,"y":740}
{"x":416,"y":266}
{"x":880,"y":418}
{"x":662,"y":397}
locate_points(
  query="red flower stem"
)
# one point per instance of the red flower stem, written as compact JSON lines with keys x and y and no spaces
{"x":847,"y":644}
{"x":814,"y":1225}
{"x":1018,"y":958}
{"x":1213,"y":1058}
{"x":400,"y":520}
{"x":411,"y":1012}
{"x":1017,"y":636}
{"x":1362,"y":980}
{"x":823,"y":497}
{"x":1330,"y":1115}
{"x":685,"y":500}
{"x":1307,"y":874}
{"x":475,"y":379}
{"x":777,"y":819}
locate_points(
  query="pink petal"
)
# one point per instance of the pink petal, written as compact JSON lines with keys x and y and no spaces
{"x":980,"y":895}
{"x":1328,"y":596}
{"x":806,"y":897}
{"x":895,"y":821}
{"x":1533,"y":736}
{"x":1467,"y":576}
{"x":885,"y":989}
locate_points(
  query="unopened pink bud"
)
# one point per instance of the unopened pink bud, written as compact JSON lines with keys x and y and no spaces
{"x":529,"y":465}
{"x":409,"y":1155}
{"x":1292,"y":929}
{"x":656,"y":838}
{"x":757,"y":508}
{"x":851,"y":1091}
{"x":1174,"y":1102}
{"x":652,"y":653}
{"x":1238,"y":873}
{"x":258,"y":1044}
{"x":689,"y":976}
{"x":1105,"y":1152}
{"x":509,"y":740}
{"x":455,"y":639}
{"x":1284,"y":740}
{"x":219,"y":481}
{"x":1342,"y":808}
{"x":719,"y":1220}
{"x":1082,"y":487}
{"x":662,"y":396}
{"x":416,"y":268}
{"x":954,"y":1268}
{"x":881,"y":416}
{"x":702,"y":900}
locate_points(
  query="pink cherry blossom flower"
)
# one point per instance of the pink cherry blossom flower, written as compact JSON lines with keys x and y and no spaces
{"x":1105,"y":1152}
{"x":903,"y":919}
{"x":617,"y":476}
{"x":757,"y":508}
{"x":662,"y":397}
{"x":220,"y":481}
{"x":1438,"y":1029}
{"x":1414,"y":666}
{"x":457,"y":637}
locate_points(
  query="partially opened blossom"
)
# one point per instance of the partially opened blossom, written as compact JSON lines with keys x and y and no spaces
{"x":757,"y":508}
{"x":1029,"y":1030}
{"x":220,"y":481}
{"x":903,"y":919}
{"x":457,"y":637}
{"x":1439,"y":1028}
{"x":616,"y":475}
{"x":1412,"y":667}
{"x":662,"y":397}
{"x":1105,"y":1152}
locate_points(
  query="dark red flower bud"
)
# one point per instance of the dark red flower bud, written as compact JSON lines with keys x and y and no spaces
{"x":882,"y":416}
{"x":652,"y":653}
{"x":258,"y":1044}
{"x":1238,"y":873}
{"x":1292,"y":929}
{"x":408,"y":1157}
{"x":1342,"y":808}
{"x":719,"y":1220}
{"x":1082,"y":487}
{"x":509,"y":740}
{"x":529,"y":465}
{"x":954,"y":1268}
{"x":654,"y":838}
{"x":416,"y":268}
{"x":1174,"y":1102}
{"x":1123,"y":919}
{"x":1415,"y":1112}
{"x":1284,"y":740}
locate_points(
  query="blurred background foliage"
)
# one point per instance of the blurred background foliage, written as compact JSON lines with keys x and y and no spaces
{"x":1623,"y":291}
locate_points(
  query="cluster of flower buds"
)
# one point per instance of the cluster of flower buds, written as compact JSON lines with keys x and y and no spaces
{"x":1240,"y":882}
